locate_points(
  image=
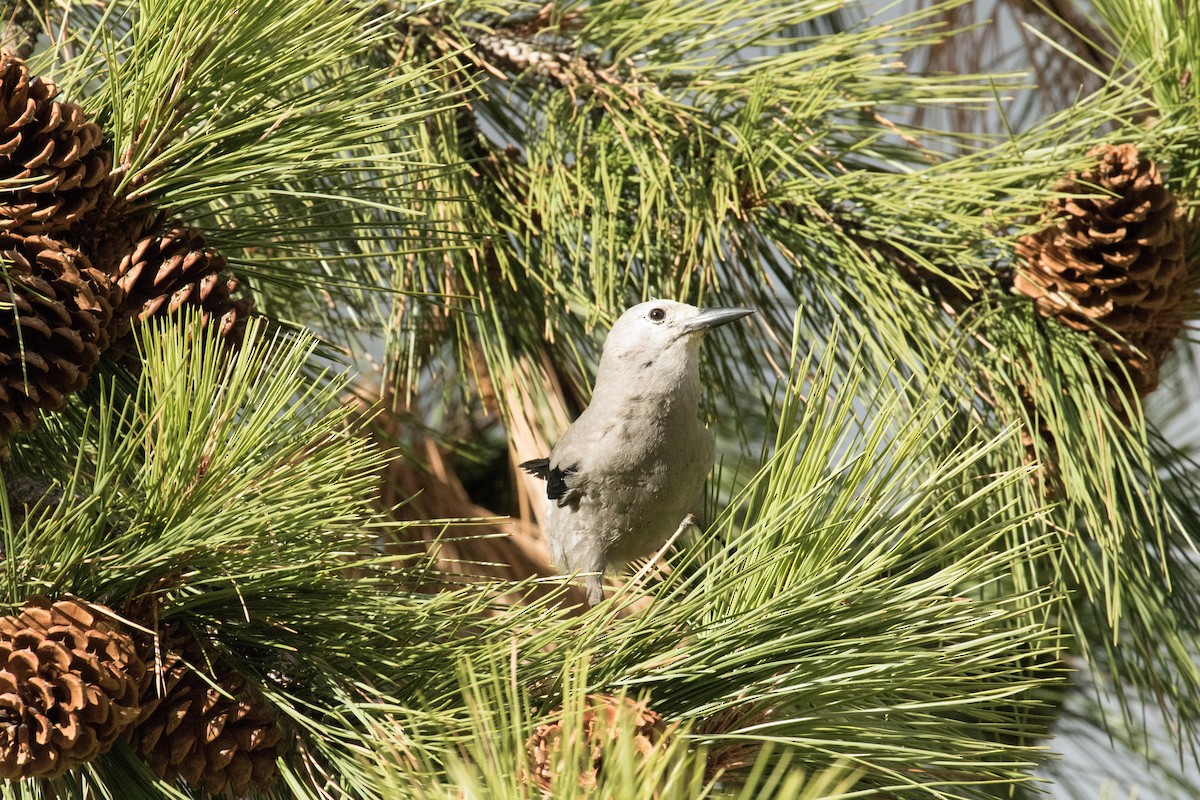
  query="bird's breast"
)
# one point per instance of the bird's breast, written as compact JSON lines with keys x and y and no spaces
{"x":649,"y":467}
{"x":640,"y":456}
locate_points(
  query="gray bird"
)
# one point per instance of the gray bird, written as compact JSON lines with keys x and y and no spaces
{"x":633,"y":465}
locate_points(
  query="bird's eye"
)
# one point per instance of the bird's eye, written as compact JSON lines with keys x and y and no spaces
{"x":657,"y":315}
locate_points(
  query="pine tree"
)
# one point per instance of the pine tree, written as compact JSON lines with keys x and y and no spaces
{"x":291,"y":286}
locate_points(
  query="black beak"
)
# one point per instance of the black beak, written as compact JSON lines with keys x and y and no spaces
{"x":711,"y":318}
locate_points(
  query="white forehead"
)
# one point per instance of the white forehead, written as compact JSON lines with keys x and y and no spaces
{"x":674,"y":311}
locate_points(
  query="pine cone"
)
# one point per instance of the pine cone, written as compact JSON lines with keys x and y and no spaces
{"x":727,"y":755}
{"x":1113,"y":264}
{"x":557,"y":58}
{"x":111,"y":230}
{"x":217,"y":739}
{"x":177,"y":269}
{"x":520,"y":55}
{"x":55,"y":323}
{"x":602,"y":720}
{"x":69,"y":685}
{"x":50,"y":148}
{"x":213,"y":295}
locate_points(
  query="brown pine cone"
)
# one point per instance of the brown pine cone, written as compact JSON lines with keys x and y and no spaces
{"x":1113,"y":263}
{"x":51,"y":149}
{"x":605,"y":718}
{"x":213,"y":296}
{"x":111,"y":230}
{"x":70,"y":680}
{"x":222,"y":739}
{"x":726,"y":755}
{"x":175,"y":270}
{"x":55,"y":323}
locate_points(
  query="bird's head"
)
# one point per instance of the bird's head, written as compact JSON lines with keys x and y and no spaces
{"x":650,"y":330}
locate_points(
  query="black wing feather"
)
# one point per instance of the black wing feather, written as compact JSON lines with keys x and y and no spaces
{"x":556,"y":484}
{"x":538,"y":466}
{"x":556,"y":479}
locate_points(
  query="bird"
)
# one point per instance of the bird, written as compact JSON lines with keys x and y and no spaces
{"x":633,"y":465}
